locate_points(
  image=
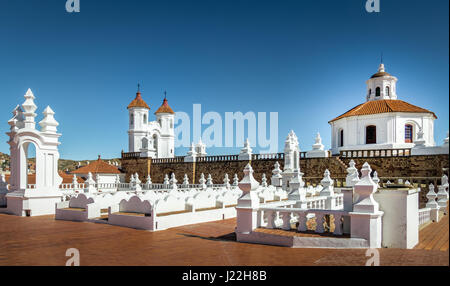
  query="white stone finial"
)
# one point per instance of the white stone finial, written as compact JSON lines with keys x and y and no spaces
{"x":248,"y":183}
{"x":446,"y":140}
{"x":29,"y":108}
{"x":246,"y":151}
{"x":235,"y":180}
{"x":173,"y":181}
{"x":327,"y":184}
{"x":149,"y":180}
{"x":375,"y":178}
{"x":352,"y":175}
{"x":185,"y":180}
{"x":318,"y":143}
{"x":226,"y":181}
{"x":75,"y":182}
{"x":202,"y":181}
{"x":431,"y":196}
{"x":166,"y":180}
{"x":117,"y":181}
{"x":264,"y":180}
{"x":381,"y":68}
{"x":48,"y":124}
{"x":136,"y":179}
{"x":364,"y":190}
{"x":209,"y":181}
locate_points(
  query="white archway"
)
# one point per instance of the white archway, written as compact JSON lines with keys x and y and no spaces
{"x":39,"y":198}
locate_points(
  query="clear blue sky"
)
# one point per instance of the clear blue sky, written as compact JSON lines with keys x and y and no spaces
{"x":307,"y":60}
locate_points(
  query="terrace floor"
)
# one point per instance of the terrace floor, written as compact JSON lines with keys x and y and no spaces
{"x":44,"y":241}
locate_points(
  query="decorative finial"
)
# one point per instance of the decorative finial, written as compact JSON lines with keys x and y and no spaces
{"x":165,"y":94}
{"x":381,"y":57}
{"x":139,"y":88}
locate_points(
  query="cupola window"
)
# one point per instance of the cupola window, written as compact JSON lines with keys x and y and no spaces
{"x":377,"y":91}
{"x":387,"y":91}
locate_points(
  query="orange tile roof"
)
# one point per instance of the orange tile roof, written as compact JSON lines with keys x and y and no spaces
{"x":383,"y":106}
{"x":67,"y":178}
{"x":165,"y":108}
{"x":97,"y":167}
{"x":138,"y":102}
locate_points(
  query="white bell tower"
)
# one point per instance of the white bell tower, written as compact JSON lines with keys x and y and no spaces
{"x":138,"y":123}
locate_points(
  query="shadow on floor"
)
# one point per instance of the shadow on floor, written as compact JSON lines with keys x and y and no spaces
{"x":225,"y":237}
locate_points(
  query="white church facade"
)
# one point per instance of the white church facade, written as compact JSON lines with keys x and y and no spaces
{"x":383,"y":121}
{"x":153,"y":139}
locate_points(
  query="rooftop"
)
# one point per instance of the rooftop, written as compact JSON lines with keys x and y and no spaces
{"x":383,"y":106}
{"x":97,"y":167}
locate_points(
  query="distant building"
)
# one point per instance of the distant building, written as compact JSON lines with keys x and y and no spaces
{"x":383,"y":121}
{"x":102,"y":172}
{"x":154,"y":139}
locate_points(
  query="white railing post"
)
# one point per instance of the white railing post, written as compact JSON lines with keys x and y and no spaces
{"x":286,"y":220}
{"x":302,"y":220}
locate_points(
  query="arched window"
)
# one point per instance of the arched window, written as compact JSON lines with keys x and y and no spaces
{"x":132,"y":119}
{"x":387,"y":91}
{"x":408,"y":133}
{"x":377,"y":91}
{"x":341,"y":138}
{"x":370,"y":91}
{"x":145,"y":119}
{"x":155,"y":141}
{"x":144,"y":143}
{"x":371,"y":134}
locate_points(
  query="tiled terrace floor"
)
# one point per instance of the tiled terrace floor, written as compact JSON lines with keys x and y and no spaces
{"x":44,"y":241}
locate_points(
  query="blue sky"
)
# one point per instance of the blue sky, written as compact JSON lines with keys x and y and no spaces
{"x":307,"y":60}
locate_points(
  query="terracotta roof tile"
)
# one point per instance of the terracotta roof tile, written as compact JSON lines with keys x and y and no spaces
{"x":383,"y":106}
{"x":165,"y":108}
{"x":138,"y":102}
{"x":97,"y":167}
{"x":67,"y":178}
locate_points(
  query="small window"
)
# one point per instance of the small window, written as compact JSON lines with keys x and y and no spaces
{"x":408,"y":133}
{"x":371,"y":134}
{"x":377,"y":91}
{"x":145,"y":119}
{"x":387,"y":91}
{"x":341,"y":138}
{"x":132,"y":119}
{"x":370,"y":91}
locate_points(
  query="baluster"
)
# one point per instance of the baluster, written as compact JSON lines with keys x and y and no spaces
{"x":320,"y":220}
{"x":271,"y":215}
{"x":302,"y":220}
{"x":286,"y":220}
{"x":337,"y":224}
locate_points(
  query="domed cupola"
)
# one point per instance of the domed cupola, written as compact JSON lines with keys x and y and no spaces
{"x":381,"y":85}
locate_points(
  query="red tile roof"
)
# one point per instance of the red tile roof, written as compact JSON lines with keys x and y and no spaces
{"x":67,"y":178}
{"x":97,"y":167}
{"x":138,"y":102}
{"x":383,"y":106}
{"x":165,"y":108}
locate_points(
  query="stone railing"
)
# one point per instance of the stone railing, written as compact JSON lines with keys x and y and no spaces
{"x":284,"y":218}
{"x":217,"y":158}
{"x":272,"y":156}
{"x":314,"y":181}
{"x":131,"y":155}
{"x":424,"y":215}
{"x":375,"y":153}
{"x":178,"y":159}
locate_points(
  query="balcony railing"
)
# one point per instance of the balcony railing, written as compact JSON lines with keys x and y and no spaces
{"x":375,"y":153}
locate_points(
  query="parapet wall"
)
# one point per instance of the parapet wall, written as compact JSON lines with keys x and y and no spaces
{"x":408,"y":166}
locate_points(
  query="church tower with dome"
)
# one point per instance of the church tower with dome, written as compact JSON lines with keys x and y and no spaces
{"x":383,"y":121}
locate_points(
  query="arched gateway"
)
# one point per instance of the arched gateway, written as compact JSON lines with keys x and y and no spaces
{"x":38,"y":198}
